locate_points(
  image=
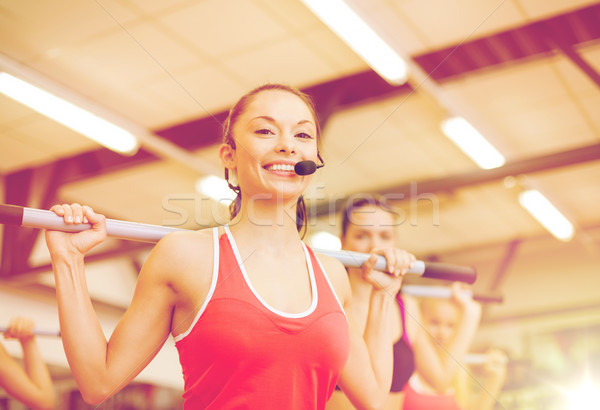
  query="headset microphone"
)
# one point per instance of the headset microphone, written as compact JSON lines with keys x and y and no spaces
{"x":306,"y":167}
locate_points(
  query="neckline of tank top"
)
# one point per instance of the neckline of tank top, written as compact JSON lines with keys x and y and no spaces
{"x":311,"y":273}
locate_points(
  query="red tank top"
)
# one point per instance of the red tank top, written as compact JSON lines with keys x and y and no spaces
{"x":241,"y":353}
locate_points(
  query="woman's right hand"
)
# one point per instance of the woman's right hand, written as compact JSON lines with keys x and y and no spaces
{"x":495,"y":364}
{"x":63,"y":243}
{"x":20,"y":328}
{"x":470,"y":307}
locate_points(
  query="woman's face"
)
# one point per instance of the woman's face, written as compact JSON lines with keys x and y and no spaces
{"x":440,"y":319}
{"x":370,"y":227}
{"x":275,"y":131}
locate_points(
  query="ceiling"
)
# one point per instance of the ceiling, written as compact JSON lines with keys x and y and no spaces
{"x":526,"y":73}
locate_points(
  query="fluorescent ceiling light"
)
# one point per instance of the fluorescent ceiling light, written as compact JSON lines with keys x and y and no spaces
{"x":71,"y":116}
{"x":215,"y":188}
{"x":546,"y":214}
{"x":472,"y":143}
{"x":325,"y":240}
{"x":343,"y":21}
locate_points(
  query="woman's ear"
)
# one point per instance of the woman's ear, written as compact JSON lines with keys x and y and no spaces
{"x":227,"y":155}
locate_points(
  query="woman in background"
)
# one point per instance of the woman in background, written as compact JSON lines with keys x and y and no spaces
{"x":440,"y":380}
{"x":31,"y":385}
{"x":369,"y":226}
{"x":426,"y":336}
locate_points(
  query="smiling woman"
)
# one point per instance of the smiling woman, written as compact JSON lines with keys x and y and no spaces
{"x":259,"y":320}
{"x":306,"y":128}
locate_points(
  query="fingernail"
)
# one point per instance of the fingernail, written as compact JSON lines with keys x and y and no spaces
{"x":77,"y":219}
{"x":69,"y":219}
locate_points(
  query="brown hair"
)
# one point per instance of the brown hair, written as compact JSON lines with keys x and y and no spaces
{"x":356,"y":203}
{"x":234,"y":114}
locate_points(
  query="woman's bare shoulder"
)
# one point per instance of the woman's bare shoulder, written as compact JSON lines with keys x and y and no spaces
{"x":183,"y":251}
{"x":337,"y":275}
{"x":184,"y":240}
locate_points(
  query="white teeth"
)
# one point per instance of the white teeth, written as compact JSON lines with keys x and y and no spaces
{"x":280,"y":167}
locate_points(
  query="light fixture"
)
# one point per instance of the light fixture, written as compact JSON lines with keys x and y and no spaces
{"x":472,"y":143}
{"x":215,"y":188}
{"x":353,"y":30}
{"x":324,"y":240}
{"x":545,"y":213}
{"x":68,"y":114}
{"x":585,"y":397}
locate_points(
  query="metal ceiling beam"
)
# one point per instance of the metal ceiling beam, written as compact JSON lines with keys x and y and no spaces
{"x":449,"y":184}
{"x":509,"y":257}
{"x":512,"y":46}
{"x":557,"y":38}
{"x":31,"y":188}
{"x":328,"y":97}
{"x":581,"y":63}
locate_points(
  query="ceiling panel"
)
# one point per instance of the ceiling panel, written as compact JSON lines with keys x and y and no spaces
{"x":33,"y":140}
{"x":203,"y":89}
{"x":431,"y":19}
{"x":13,"y":112}
{"x":572,"y":75}
{"x":121,"y":60}
{"x":548,"y":264}
{"x":19,"y":152}
{"x":25,"y":25}
{"x":328,"y":47}
{"x":292,"y":14}
{"x":400,"y":136}
{"x":530,"y":106}
{"x":158,"y":6}
{"x":163,"y":45}
{"x":589,"y":106}
{"x":290,"y":56}
{"x":218,"y":34}
{"x":539,"y":9}
{"x":573,"y":190}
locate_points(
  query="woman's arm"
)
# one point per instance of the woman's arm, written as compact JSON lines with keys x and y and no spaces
{"x":102,"y":368}
{"x":31,"y":386}
{"x":367,"y":375}
{"x":495,"y":374}
{"x":438,"y":365}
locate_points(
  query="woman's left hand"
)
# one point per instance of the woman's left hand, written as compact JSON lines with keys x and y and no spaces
{"x":398,"y":263}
